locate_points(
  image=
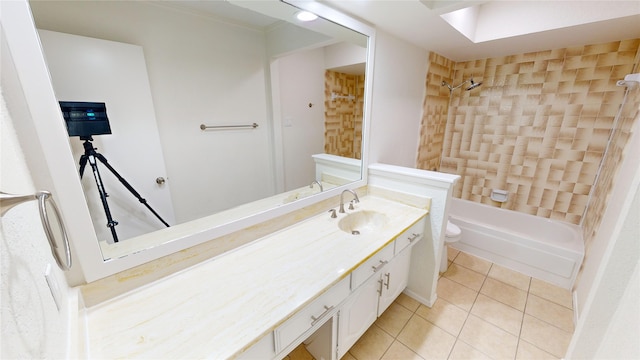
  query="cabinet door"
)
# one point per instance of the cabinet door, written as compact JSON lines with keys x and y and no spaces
{"x":394,"y":279}
{"x":263,"y":349}
{"x":357,"y":314}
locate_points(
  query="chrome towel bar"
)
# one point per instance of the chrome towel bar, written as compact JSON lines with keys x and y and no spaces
{"x":219,"y":127}
{"x":51,"y":222}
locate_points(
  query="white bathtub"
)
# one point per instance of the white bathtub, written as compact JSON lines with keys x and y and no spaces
{"x":545,"y":249}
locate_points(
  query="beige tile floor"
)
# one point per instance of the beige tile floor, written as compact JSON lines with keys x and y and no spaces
{"x":483,"y":311}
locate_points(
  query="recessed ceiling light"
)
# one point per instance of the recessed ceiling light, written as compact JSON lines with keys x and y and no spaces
{"x":306,"y":16}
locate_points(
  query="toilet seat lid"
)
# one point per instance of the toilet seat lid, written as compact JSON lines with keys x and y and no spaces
{"x":452,"y":230}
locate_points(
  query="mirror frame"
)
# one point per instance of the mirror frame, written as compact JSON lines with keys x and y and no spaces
{"x":49,"y":154}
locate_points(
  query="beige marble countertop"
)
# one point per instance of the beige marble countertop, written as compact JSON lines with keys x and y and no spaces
{"x":219,"y":308}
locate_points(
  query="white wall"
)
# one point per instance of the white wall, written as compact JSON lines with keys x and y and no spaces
{"x":398,"y":92}
{"x":344,"y":54}
{"x":88,"y":69}
{"x":32,"y":326}
{"x":620,"y":339}
{"x":201,"y":71}
{"x":302,"y":127}
{"x":426,"y":255}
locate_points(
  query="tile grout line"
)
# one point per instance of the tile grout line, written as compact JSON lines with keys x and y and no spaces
{"x":468,"y":313}
{"x":551,"y":301}
{"x":395,"y":338}
{"x":403,"y":344}
{"x":539,"y":319}
{"x":392,"y":341}
{"x":528,"y":293}
{"x":460,"y":332}
{"x":524,"y":311}
{"x":414,"y":313}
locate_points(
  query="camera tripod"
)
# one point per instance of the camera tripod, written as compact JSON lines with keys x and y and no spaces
{"x":90,"y":155}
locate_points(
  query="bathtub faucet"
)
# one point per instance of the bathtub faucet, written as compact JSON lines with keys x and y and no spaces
{"x":355,"y":198}
{"x":319,"y":185}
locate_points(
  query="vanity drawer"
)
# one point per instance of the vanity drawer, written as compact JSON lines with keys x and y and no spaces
{"x":313,"y":314}
{"x":412,"y":235}
{"x":371,"y":266}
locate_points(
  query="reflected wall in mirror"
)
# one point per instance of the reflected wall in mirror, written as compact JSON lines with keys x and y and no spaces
{"x":164,"y":68}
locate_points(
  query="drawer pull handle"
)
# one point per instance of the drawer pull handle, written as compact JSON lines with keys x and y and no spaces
{"x":382,"y":263}
{"x":413,"y":237}
{"x":388,"y":276}
{"x":327,"y":309}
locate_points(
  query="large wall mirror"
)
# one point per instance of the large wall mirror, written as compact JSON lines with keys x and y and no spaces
{"x":222,"y":113}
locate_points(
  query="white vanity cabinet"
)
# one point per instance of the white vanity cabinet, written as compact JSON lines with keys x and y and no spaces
{"x":332,"y":323}
{"x":312,"y":317}
{"x":393,"y":280}
{"x":411,"y":236}
{"x":373,"y":297}
{"x":357,"y":314}
{"x":361,"y":309}
{"x":371,"y":266}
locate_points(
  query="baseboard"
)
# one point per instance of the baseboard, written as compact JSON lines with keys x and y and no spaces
{"x":427,"y":302}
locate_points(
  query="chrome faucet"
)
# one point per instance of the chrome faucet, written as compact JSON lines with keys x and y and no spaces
{"x":319,"y":185}
{"x":355,"y":198}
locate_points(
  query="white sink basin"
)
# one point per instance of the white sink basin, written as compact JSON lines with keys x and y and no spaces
{"x":363,"y":222}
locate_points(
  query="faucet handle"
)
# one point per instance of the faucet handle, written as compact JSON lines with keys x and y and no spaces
{"x":351,"y":204}
{"x":333,"y":213}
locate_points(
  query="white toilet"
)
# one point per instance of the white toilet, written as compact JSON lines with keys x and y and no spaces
{"x":451,"y":235}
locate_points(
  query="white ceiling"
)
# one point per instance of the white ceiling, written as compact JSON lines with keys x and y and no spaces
{"x":523,"y":26}
{"x":499,"y":27}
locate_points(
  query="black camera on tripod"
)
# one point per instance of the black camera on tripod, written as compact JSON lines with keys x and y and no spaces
{"x":85,"y":119}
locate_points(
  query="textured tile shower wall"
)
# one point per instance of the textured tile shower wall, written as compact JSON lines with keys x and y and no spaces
{"x":434,"y":118}
{"x":630,"y":113}
{"x":343,"y":117}
{"x":537,"y":127}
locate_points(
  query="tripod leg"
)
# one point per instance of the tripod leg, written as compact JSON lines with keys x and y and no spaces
{"x":83,"y":163}
{"x":111,"y":224}
{"x":129,"y":187}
